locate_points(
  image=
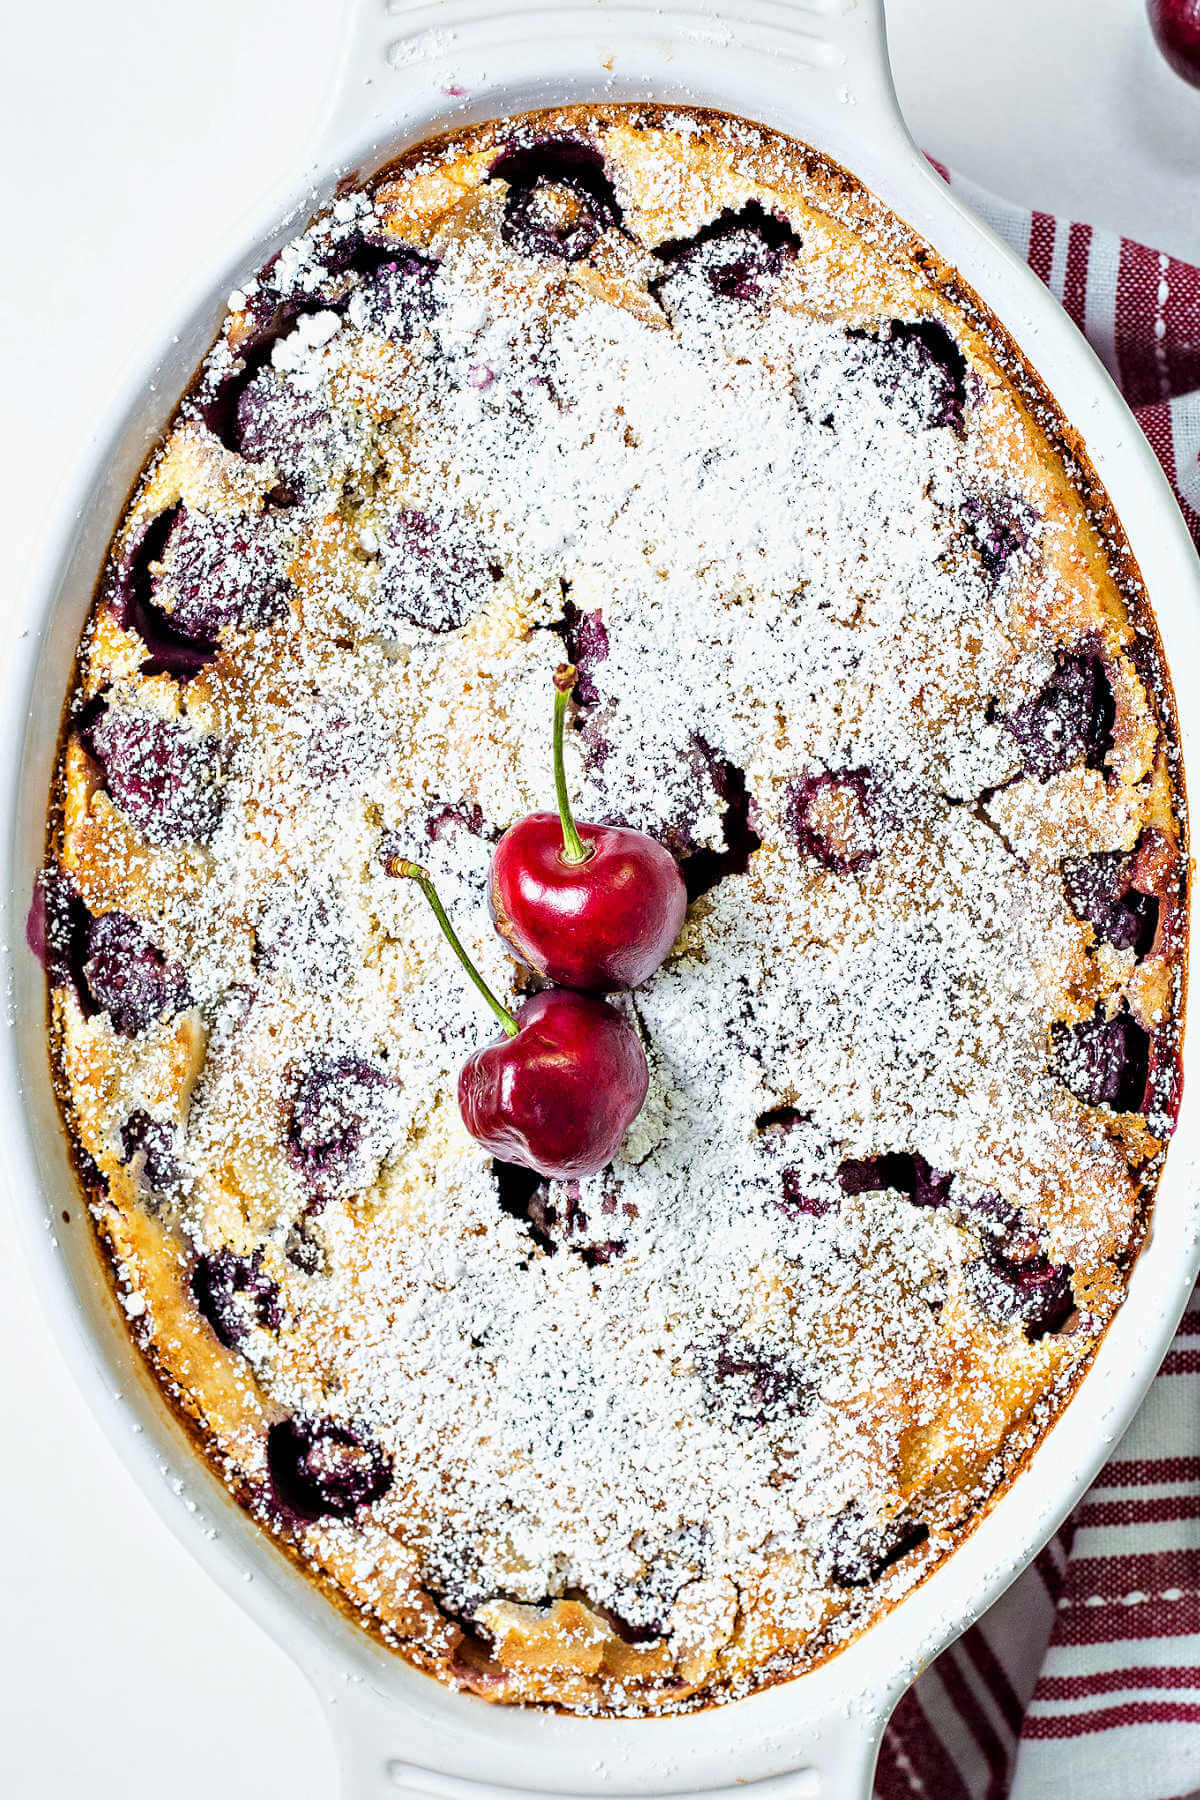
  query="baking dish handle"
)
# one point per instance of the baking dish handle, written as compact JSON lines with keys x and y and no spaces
{"x":384,"y":1750}
{"x":404,"y":60}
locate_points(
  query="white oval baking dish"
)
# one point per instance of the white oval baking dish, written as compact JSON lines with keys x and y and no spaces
{"x":818,"y":70}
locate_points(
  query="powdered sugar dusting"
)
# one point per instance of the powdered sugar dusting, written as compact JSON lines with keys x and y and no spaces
{"x":724,"y":1352}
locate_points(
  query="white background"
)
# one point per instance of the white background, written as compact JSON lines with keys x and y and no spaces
{"x":132,"y":133}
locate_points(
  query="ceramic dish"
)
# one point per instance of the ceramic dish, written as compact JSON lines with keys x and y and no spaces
{"x":818,"y":72}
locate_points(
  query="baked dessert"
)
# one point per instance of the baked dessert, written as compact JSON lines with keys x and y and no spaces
{"x":671,"y":397}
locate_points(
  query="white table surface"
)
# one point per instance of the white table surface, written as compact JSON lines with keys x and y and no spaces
{"x":133,"y":131}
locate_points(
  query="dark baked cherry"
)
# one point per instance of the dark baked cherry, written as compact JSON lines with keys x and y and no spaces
{"x":743,"y":1025}
{"x":471,"y":1661}
{"x":560,"y":200}
{"x":596,"y":907}
{"x":219,"y":402}
{"x":905,"y":1171}
{"x":1070,"y":721}
{"x":37,"y":928}
{"x":995,"y":1219}
{"x":585,"y":645}
{"x":448,"y":821}
{"x":1100,"y":890}
{"x":38,"y":915}
{"x":703,"y":868}
{"x":428,"y":577}
{"x":128,"y":977}
{"x":233,"y":1293}
{"x":557,"y":1219}
{"x":517,"y":1188}
{"x":341,"y":747}
{"x":333,"y":273}
{"x":297,"y":934}
{"x":132,"y":978}
{"x":217,"y":572}
{"x":303,"y":1248}
{"x":652,"y":1632}
{"x":1164,"y":1087}
{"x":796,"y":1200}
{"x":396,"y":297}
{"x":460,"y":1597}
{"x":755,"y":1383}
{"x":149,"y":1144}
{"x":162,"y":776}
{"x":1017,"y":1280}
{"x":1104,"y":1062}
{"x":860,"y":1552}
{"x":777,"y":1123}
{"x":547,"y":1215}
{"x":333,"y":1108}
{"x":638,"y":1604}
{"x":294,"y":432}
{"x":322,"y":1470}
{"x":829,"y":815}
{"x":916,"y":363}
{"x":56,"y":930}
{"x":130,"y":591}
{"x":89,"y":1173}
{"x":997,"y":528}
{"x":741,"y":255}
{"x":598,"y":1254}
{"x":273,"y":311}
{"x":559,"y":1090}
{"x":684,"y":778}
{"x":799,"y":1201}
{"x":322,"y":280}
{"x":272,"y":307}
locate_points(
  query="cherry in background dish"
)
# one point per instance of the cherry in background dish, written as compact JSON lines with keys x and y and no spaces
{"x":559,"y":1090}
{"x":595,"y":907}
{"x":1176,"y":28}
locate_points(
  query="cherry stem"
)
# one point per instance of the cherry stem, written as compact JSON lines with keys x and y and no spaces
{"x":574,"y":849}
{"x":411,"y":871}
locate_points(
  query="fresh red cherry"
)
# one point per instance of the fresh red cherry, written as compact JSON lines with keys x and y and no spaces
{"x":559,"y":1090}
{"x":560,"y":1094}
{"x":1176,"y":27}
{"x":589,"y":906}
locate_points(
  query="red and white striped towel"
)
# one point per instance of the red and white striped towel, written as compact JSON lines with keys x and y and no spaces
{"x":1083,"y":1681}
